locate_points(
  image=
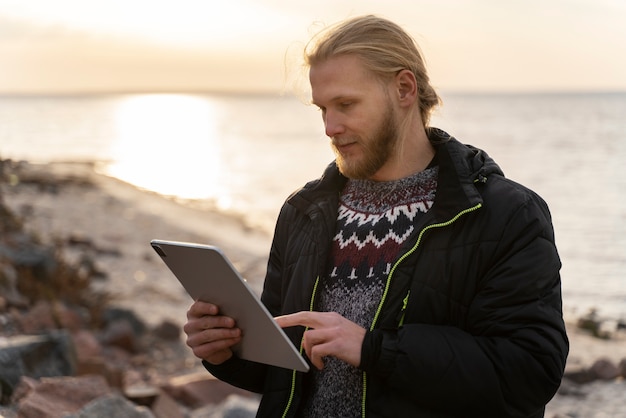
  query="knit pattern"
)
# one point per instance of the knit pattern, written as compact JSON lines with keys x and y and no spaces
{"x":375,"y":220}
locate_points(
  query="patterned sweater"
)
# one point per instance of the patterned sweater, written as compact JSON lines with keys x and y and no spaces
{"x":375,"y":220}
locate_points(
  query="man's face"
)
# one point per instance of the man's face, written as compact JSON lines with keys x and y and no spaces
{"x":358,"y":114}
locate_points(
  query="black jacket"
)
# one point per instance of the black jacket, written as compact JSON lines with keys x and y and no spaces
{"x":470,"y":323}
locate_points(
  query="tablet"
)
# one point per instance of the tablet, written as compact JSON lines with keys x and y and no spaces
{"x":207,"y":275}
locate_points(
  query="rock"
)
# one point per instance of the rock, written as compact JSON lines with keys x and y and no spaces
{"x":88,"y":267}
{"x":86,"y":344}
{"x":118,"y":314}
{"x":201,"y":389}
{"x":8,"y":285}
{"x":113,"y":374}
{"x":622,"y":368}
{"x":46,"y":355}
{"x":165,"y":406}
{"x":79,"y":239}
{"x":39,"y":318}
{"x":579,"y":375}
{"x":44,"y":315}
{"x":234,"y":406}
{"x":569,"y":388}
{"x":57,"y":397}
{"x":112,"y":405}
{"x":167,"y":330}
{"x":594,"y":324}
{"x":601,"y":369}
{"x":120,"y":333}
{"x":8,"y":412}
{"x":142,"y":394}
{"x":604,"y":369}
{"x":25,"y":253}
{"x":72,"y":319}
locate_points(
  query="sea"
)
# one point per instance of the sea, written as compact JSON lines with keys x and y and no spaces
{"x":244,"y":154}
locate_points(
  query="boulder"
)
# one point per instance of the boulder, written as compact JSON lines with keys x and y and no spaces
{"x":234,"y":406}
{"x":604,"y":369}
{"x":35,"y":356}
{"x":8,"y":412}
{"x":201,"y":389}
{"x":38,"y":318}
{"x":121,"y":334}
{"x":56,"y":397}
{"x":113,"y":405}
{"x":578,"y":374}
{"x":164,"y":406}
{"x":622,"y":368}
{"x":167,"y":330}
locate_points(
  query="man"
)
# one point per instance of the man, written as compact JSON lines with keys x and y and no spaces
{"x":418,"y":280}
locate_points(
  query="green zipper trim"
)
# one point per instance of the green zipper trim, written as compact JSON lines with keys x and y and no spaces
{"x":405,"y":302}
{"x":292,"y":391}
{"x":406,"y":299}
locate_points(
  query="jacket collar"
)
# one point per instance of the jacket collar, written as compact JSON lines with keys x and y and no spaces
{"x":461,"y":167}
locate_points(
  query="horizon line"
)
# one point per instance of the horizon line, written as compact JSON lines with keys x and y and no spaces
{"x":277,"y":92}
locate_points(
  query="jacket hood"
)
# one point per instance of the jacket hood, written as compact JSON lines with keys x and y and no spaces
{"x":478,"y":164}
{"x":462,"y":168}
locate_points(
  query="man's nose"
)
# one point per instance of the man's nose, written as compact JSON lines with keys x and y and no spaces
{"x":333,"y":124}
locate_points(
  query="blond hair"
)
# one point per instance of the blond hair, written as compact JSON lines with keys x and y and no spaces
{"x":385,"y":49}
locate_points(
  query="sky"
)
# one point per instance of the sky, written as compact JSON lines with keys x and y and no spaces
{"x":71,"y":46}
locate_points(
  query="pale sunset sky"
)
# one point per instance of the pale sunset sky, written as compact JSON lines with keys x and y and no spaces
{"x":69,"y":46}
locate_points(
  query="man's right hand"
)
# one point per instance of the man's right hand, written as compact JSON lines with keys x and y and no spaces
{"x":210,"y":335}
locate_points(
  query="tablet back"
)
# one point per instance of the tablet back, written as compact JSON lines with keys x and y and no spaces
{"x":206,"y":274}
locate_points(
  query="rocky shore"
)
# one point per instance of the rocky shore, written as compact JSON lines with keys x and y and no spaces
{"x":90,"y":318}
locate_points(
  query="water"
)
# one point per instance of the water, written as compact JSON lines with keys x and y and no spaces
{"x":245,"y":154}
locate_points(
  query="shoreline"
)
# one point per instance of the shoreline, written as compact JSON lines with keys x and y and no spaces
{"x":71,"y":202}
{"x":67,"y":201}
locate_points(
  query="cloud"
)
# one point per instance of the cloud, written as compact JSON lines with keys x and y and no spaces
{"x":181,"y":22}
{"x":15,"y":29}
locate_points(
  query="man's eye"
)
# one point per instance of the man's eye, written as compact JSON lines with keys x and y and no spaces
{"x":346,"y":104}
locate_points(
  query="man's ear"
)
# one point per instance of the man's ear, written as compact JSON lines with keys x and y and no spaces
{"x":406,"y":86}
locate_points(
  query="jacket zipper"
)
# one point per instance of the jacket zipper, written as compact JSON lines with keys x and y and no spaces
{"x":405,"y":301}
{"x":294,"y":372}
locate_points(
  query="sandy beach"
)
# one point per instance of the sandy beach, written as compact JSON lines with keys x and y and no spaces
{"x":118,"y":221}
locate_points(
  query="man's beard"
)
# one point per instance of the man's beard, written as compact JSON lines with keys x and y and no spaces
{"x":377,"y":149}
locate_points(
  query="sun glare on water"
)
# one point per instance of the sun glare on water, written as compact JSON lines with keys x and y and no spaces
{"x":168,"y":143}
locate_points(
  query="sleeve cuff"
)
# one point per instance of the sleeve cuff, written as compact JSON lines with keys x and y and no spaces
{"x":377,"y":352}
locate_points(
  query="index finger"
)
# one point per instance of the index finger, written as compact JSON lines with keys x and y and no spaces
{"x":200,"y":308}
{"x":304,"y":318}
